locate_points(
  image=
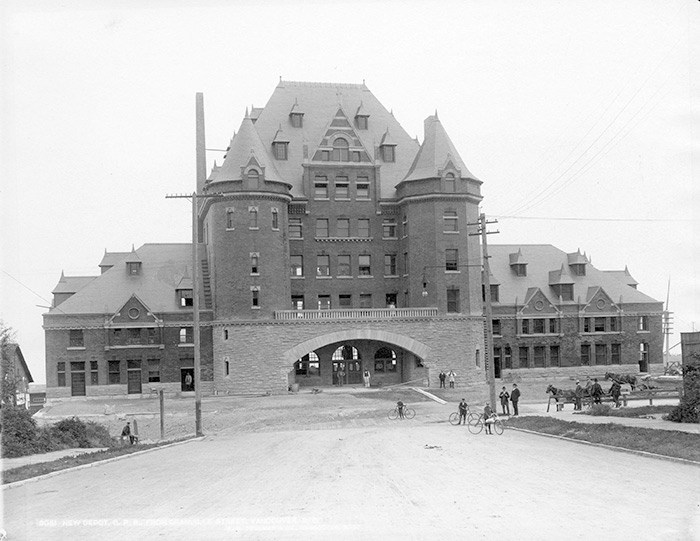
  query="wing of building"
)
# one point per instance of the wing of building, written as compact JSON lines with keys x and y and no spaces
{"x":332,"y":243}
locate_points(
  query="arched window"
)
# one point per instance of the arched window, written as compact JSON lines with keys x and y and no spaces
{"x":385,"y":360}
{"x":340,"y":150}
{"x":308,"y":365}
{"x":253,"y":176}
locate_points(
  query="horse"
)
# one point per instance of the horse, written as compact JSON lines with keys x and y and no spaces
{"x":622,"y":379}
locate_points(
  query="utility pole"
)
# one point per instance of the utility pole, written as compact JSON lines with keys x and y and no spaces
{"x":667,"y":326}
{"x":491,"y":372}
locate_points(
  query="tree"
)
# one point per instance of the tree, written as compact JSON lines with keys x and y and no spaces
{"x":8,"y":370}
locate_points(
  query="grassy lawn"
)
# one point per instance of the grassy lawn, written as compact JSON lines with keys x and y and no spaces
{"x":642,"y":411}
{"x":35,"y":470}
{"x":662,"y":442}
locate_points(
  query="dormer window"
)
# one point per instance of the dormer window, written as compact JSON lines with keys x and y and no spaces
{"x":361,"y":122}
{"x":185,"y":297}
{"x":297,"y":120}
{"x":579,"y":269}
{"x":565,"y":291}
{"x":388,"y":153}
{"x":133,"y":268}
{"x":280,"y":150}
{"x":340,"y":150}
{"x":520,"y":269}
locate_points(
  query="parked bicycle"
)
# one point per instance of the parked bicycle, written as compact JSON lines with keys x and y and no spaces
{"x":454,"y":417}
{"x":408,"y":413}
{"x":476,"y":425}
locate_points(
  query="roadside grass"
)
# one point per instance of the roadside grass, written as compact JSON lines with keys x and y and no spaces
{"x":34,"y":470}
{"x":670,"y":443}
{"x":604,"y":410}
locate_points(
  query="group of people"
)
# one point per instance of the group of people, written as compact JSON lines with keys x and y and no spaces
{"x":513,"y":396}
{"x":450,"y":377}
{"x":595,"y":391}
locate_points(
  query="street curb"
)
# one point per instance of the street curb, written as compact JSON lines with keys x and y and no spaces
{"x":96,"y":463}
{"x":611,"y":447}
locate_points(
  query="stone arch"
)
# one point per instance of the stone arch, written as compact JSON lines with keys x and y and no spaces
{"x":409,"y":344}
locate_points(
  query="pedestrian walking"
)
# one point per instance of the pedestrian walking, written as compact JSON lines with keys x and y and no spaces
{"x":596,"y":391}
{"x":514,"y":397}
{"x":463,"y":409}
{"x":365,"y":377}
{"x":126,"y":433}
{"x":615,"y":391}
{"x":451,"y":378}
{"x":488,"y":421}
{"x":442,"y":377}
{"x":504,"y":396}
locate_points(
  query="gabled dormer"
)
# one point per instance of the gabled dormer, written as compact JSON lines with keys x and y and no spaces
{"x":562,"y":283}
{"x":340,"y":143}
{"x":597,"y":300}
{"x":387,"y":147}
{"x":184,"y":292}
{"x":577,"y":263}
{"x":518,"y":264}
{"x":280,"y":145}
{"x":133,"y":312}
{"x":361,"y":118}
{"x":537,"y":304}
{"x":296,"y":116}
{"x":133,"y":263}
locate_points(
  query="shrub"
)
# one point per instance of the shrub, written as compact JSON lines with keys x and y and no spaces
{"x":599,"y":410}
{"x":689,"y":408}
{"x":18,"y":432}
{"x":98,"y":435}
{"x":686,"y":411}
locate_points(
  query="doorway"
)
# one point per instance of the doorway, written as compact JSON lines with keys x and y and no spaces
{"x":77,"y":383}
{"x":187,"y":379}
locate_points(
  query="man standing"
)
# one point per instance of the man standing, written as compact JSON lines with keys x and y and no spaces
{"x":504,"y":396}
{"x":451,"y":378}
{"x":442,"y":377}
{"x":578,"y":394}
{"x":366,"y":376}
{"x":487,"y":418}
{"x":514,"y":397}
{"x":615,"y":391}
{"x":596,"y":391}
{"x":126,"y":433}
{"x":463,"y":408}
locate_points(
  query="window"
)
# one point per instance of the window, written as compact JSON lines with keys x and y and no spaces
{"x":297,"y":302}
{"x":496,"y":326}
{"x":585,"y":354}
{"x":389,"y":228}
{"x":94,"y":373}
{"x":362,"y":188}
{"x":365,"y":300}
{"x":388,"y":153}
{"x":363,"y":228}
{"x":275,"y":219}
{"x":554,"y":356}
{"x":114,"y":372}
{"x":340,"y":150}
{"x":644,"y":352}
{"x":522,"y":356}
{"x":496,"y":356}
{"x":615,"y":353}
{"x":385,"y":360}
{"x":355,"y":155}
{"x":227,"y":368}
{"x":229,"y":218}
{"x":389,"y":264}
{"x":405,"y":263}
{"x":579,"y":269}
{"x":599,"y":324}
{"x":323,"y":265}
{"x":553,"y":326}
{"x":343,"y":227}
{"x":565,"y":291}
{"x":325,"y":155}
{"x":601,"y":354}
{"x":225,"y":334}
{"x":153,"y":371}
{"x":452,"y":300}
{"x":321,"y":227}
{"x":342,"y":190}
{"x":75,"y":338}
{"x":451,"y":259}
{"x":494,"y":292}
{"x":133,"y":267}
{"x":450,"y":222}
{"x":152,"y":335}
{"x":361,"y":122}
{"x":520,"y":269}
{"x":525,"y":326}
{"x":642,"y":323}
{"x":308,"y":365}
{"x":614,"y":324}
{"x":586,"y":324}
{"x":280,"y":150}
{"x":296,"y":265}
{"x":255,"y":300}
{"x":61,"y":373}
{"x":186,"y":335}
{"x":324,"y":302}
{"x":295,"y":228}
{"x":252,"y":217}
{"x":390,"y":300}
{"x":405,"y":226}
{"x":344,"y":265}
{"x":507,"y":357}
{"x":186,"y":298}
{"x":538,"y":356}
{"x":253,"y":177}
{"x":321,"y":188}
{"x":297,"y":120}
{"x":133,"y":336}
{"x":345,"y":301}
{"x":365,"y":267}
{"x":538,"y":326}
{"x":254,"y":260}
{"x":450,"y":183}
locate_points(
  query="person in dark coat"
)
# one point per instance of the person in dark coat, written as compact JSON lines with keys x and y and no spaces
{"x":442,"y":377}
{"x":487,"y":418}
{"x":126,"y":433}
{"x":578,"y":394}
{"x":596,"y":391}
{"x":463,"y":409}
{"x":504,"y":396}
{"x":514,"y":397}
{"x":615,"y":391}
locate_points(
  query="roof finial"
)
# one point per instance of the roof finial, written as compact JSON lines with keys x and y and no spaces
{"x":132,"y":247}
{"x":246,"y":112}
{"x":280,"y":78}
{"x":363,"y":82}
{"x":436,"y":115}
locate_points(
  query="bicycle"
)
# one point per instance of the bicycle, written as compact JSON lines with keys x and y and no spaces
{"x":454,"y":417}
{"x":476,"y":425}
{"x":408,"y":413}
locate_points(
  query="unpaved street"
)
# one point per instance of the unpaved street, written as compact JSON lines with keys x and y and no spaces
{"x":366,"y":479}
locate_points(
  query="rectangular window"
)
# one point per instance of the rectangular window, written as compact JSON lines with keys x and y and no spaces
{"x":297,"y":302}
{"x":405,"y":263}
{"x":452,"y":300}
{"x":186,"y":298}
{"x":321,"y":188}
{"x":296,"y":265}
{"x":451,"y":259}
{"x":520,"y":269}
{"x":275,"y":219}
{"x":362,"y":188}
{"x":345,"y":301}
{"x":255,"y":301}
{"x":297,"y":120}
{"x":601,"y":354}
{"x":343,"y":227}
{"x":450,"y":222}
{"x":567,"y":292}
{"x":363,"y":228}
{"x":365,"y":300}
{"x":229,"y":218}
{"x":614,"y":324}
{"x":321,"y":227}
{"x":522,"y":357}
{"x":344,"y":265}
{"x":280,"y":150}
{"x":388,"y":154}
{"x":186,"y":335}
{"x":355,"y":155}
{"x":538,"y":356}
{"x":75,"y":339}
{"x":553,"y":326}
{"x":341,"y":188}
{"x":525,"y":326}
{"x":389,"y":228}
{"x":585,"y":354}
{"x":361,"y":122}
{"x":114,"y":369}
{"x":599,"y":324}
{"x":553,"y":355}
{"x":152,"y":335}
{"x":225,"y":334}
{"x":323,"y":265}
{"x":295,"y":228}
{"x":494,"y":292}
{"x":642,"y":324}
{"x":538,"y":326}
{"x":404,"y":224}
{"x":507,"y":357}
{"x":133,"y":336}
{"x":153,"y":371}
{"x":94,"y":373}
{"x":252,"y":218}
{"x":254,"y":260}
{"x":325,"y":155}
{"x":61,"y":373}
{"x":496,"y":326}
{"x":324,"y":302}
{"x":644,"y":352}
{"x":615,"y":353}
{"x":365,"y":265}
{"x":586,"y":324}
{"x":389,"y":264}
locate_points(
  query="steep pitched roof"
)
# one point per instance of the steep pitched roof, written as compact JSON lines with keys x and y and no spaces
{"x":545,"y":258}
{"x":72,"y":284}
{"x":163,"y":268}
{"x":436,"y":152}
{"x":112,"y":258}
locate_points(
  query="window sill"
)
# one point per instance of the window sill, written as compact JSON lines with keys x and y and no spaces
{"x":255,"y":274}
{"x":344,"y":277}
{"x":75,"y":348}
{"x":255,"y":308}
{"x":643,"y":332}
{"x":451,"y":232}
{"x":296,"y":238}
{"x":391,"y":276}
{"x":390,"y":238}
{"x":322,"y":277}
{"x":185,"y":345}
{"x":365,"y":276}
{"x":343,"y":199}
{"x":321,"y":199}
{"x":296,"y":277}
{"x":455,"y":271}
{"x":230,"y":229}
{"x":253,"y":229}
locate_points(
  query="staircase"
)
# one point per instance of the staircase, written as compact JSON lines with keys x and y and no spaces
{"x":206,"y":282}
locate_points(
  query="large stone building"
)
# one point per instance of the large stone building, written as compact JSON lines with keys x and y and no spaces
{"x":332,"y":243}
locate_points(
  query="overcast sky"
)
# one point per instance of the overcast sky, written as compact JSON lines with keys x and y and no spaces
{"x":581,"y":118}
